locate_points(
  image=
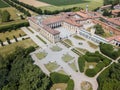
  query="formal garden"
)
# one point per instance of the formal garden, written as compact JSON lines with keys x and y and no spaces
{"x":92,"y":63}
{"x":51,"y":66}
{"x":56,"y":48}
{"x":67,"y":57}
{"x":41,"y":55}
{"x":73,"y":66}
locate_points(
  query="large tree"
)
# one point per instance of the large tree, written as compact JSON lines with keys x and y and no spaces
{"x":5,"y":16}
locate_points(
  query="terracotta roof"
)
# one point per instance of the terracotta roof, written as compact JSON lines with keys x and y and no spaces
{"x":117,"y":38}
{"x":114,"y":20}
{"x":115,"y":12}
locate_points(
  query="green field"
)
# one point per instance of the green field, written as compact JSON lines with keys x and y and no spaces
{"x":64,"y":4}
{"x":2,"y":4}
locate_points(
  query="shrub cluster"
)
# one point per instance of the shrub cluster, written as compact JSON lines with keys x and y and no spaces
{"x":81,"y":64}
{"x":70,"y":85}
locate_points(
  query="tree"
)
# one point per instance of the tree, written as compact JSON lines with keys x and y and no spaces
{"x":5,"y":16}
{"x":99,"y":30}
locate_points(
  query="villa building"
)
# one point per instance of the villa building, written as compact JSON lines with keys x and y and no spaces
{"x":48,"y":26}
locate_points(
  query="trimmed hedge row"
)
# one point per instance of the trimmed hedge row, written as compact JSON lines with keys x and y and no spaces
{"x":93,"y":72}
{"x":81,"y":64}
{"x":59,"y":78}
{"x":13,"y":26}
{"x":70,"y":85}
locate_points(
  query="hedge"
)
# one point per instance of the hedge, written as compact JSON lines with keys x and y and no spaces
{"x":90,"y":72}
{"x":13,"y":26}
{"x":70,"y":85}
{"x":81,"y":64}
{"x":92,"y":59}
{"x":59,"y":78}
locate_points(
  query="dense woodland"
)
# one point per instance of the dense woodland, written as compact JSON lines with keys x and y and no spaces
{"x":17,"y":72}
{"x":109,"y":79}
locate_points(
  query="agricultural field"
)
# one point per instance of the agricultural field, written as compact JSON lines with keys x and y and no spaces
{"x":35,"y":3}
{"x":2,"y":4}
{"x":64,"y":4}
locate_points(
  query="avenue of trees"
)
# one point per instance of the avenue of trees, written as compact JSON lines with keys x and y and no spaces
{"x":5,"y":16}
{"x":108,"y":50}
{"x":113,"y":2}
{"x":21,"y":9}
{"x":109,"y":79}
{"x":17,"y":72}
{"x":12,"y":26}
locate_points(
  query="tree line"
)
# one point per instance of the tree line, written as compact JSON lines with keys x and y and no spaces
{"x":48,"y":12}
{"x":21,"y":9}
{"x":113,"y":2}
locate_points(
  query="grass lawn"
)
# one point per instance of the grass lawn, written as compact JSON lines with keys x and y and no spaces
{"x":78,"y":37}
{"x":51,"y":66}
{"x":56,"y":48}
{"x":85,"y":85}
{"x":2,"y":4}
{"x":62,"y":72}
{"x":68,"y":41}
{"x":92,"y":45}
{"x":64,"y":4}
{"x":5,"y":50}
{"x":60,"y":86}
{"x":13,"y":12}
{"x":73,"y":66}
{"x":67,"y":57}
{"x":10,"y":34}
{"x":88,"y":64}
{"x":41,"y":55}
{"x":81,"y":50}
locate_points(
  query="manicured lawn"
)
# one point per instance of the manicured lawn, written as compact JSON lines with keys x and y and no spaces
{"x":88,"y":64}
{"x":5,"y":50}
{"x":41,"y":55}
{"x":2,"y":4}
{"x":73,"y":66}
{"x":67,"y":57}
{"x":51,"y":66}
{"x":56,"y":48}
{"x":68,"y":41}
{"x":92,"y":45}
{"x":64,"y":4}
{"x":60,"y":86}
{"x":78,"y":37}
{"x":62,"y":72}
{"x":10,"y":34}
